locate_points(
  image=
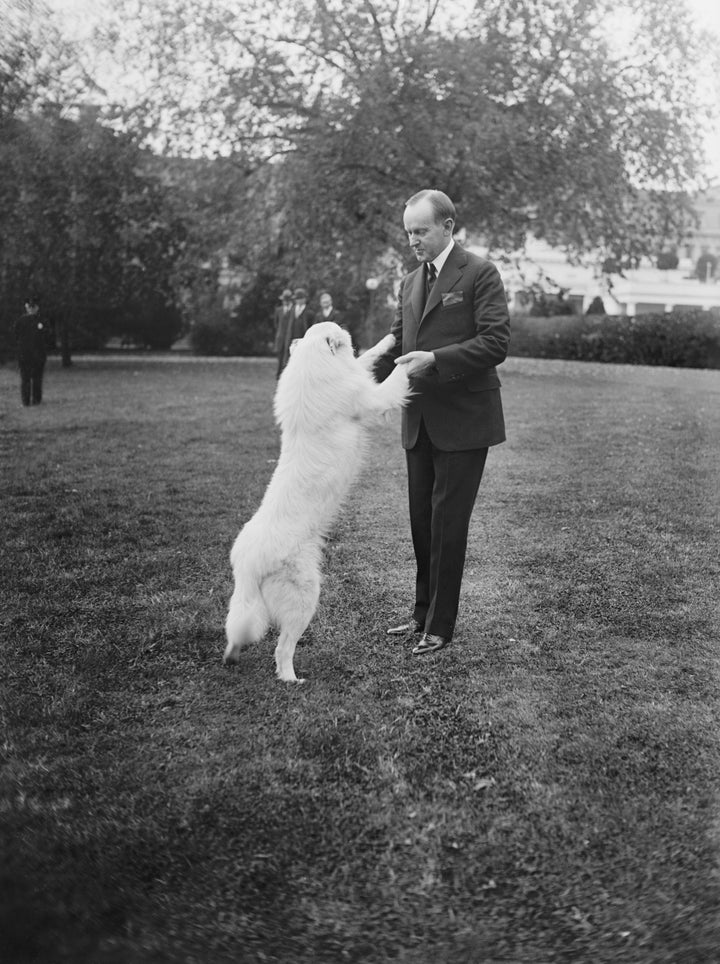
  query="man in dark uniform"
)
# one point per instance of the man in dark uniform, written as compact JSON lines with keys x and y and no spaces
{"x":31,"y":353}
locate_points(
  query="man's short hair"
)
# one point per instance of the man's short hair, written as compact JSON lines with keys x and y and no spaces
{"x":441,"y":204}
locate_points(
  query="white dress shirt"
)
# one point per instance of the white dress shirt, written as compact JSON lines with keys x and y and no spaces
{"x":442,"y":258}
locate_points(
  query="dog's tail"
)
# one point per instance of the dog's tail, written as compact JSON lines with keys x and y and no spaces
{"x":247,"y":621}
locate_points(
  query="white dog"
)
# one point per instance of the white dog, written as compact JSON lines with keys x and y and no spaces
{"x":325,"y":401}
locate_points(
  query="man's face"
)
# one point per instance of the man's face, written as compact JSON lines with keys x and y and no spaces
{"x":426,"y":236}
{"x":326,"y":302}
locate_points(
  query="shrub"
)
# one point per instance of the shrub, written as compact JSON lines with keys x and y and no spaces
{"x":210,"y":333}
{"x":668,"y":260}
{"x":218,"y":331}
{"x":246,"y":329}
{"x":150,"y":321}
{"x":253,"y":330}
{"x":210,"y":338}
{"x":678,"y":339}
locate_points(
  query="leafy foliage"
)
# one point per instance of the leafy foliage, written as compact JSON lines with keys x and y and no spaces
{"x":83,"y":229}
{"x":84,"y":225}
{"x":531,"y":116}
{"x":284,"y":143}
{"x":679,"y":339}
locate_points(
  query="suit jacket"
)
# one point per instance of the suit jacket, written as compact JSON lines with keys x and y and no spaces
{"x":304,"y":320}
{"x":287,"y":328}
{"x":281,"y":321}
{"x":333,"y":316}
{"x":466,"y":324}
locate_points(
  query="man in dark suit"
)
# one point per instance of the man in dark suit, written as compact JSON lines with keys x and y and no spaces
{"x":283,"y":319}
{"x":304,"y":315}
{"x":292,"y":323}
{"x":451,"y":329}
{"x":30,"y":339}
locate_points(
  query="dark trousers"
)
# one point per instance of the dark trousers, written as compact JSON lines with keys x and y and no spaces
{"x":442,"y":488}
{"x":31,"y":376}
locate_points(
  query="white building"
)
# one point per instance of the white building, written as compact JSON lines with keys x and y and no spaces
{"x":633,"y":292}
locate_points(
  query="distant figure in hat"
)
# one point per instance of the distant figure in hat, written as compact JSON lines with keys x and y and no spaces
{"x":292,"y":320}
{"x":303,"y":314}
{"x":30,"y":339}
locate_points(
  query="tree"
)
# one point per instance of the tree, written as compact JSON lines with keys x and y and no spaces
{"x":83,"y":220}
{"x":525,"y":113}
{"x":85,"y":228}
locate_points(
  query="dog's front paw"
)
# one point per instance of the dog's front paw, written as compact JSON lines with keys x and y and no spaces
{"x":369,"y":357}
{"x":385,"y":344}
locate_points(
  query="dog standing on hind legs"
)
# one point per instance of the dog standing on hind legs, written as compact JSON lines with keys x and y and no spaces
{"x":325,"y":403}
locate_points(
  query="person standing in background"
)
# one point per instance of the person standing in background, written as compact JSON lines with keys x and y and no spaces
{"x":30,"y":340}
{"x":328,"y":311}
{"x":283,"y":320}
{"x":304,"y":316}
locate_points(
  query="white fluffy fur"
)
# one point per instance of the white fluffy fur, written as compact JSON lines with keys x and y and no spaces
{"x":325,"y":401}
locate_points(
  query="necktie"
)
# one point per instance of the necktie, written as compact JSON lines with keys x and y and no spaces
{"x":430,"y":275}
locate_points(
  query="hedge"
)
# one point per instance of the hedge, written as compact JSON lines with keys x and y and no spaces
{"x":689,"y":338}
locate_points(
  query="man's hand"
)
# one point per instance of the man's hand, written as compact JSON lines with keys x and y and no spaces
{"x":416,"y":361}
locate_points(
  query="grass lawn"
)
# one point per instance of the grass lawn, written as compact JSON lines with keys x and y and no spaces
{"x":544,"y":790}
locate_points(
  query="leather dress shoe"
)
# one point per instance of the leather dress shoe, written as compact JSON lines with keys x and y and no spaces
{"x":405,"y":629}
{"x":430,"y":644}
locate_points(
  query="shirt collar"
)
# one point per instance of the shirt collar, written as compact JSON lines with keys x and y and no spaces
{"x":442,"y":257}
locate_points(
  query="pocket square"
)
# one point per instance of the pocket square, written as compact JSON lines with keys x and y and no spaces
{"x":450,"y":298}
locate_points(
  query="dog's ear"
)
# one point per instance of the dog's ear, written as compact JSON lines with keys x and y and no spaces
{"x":335,"y":342}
